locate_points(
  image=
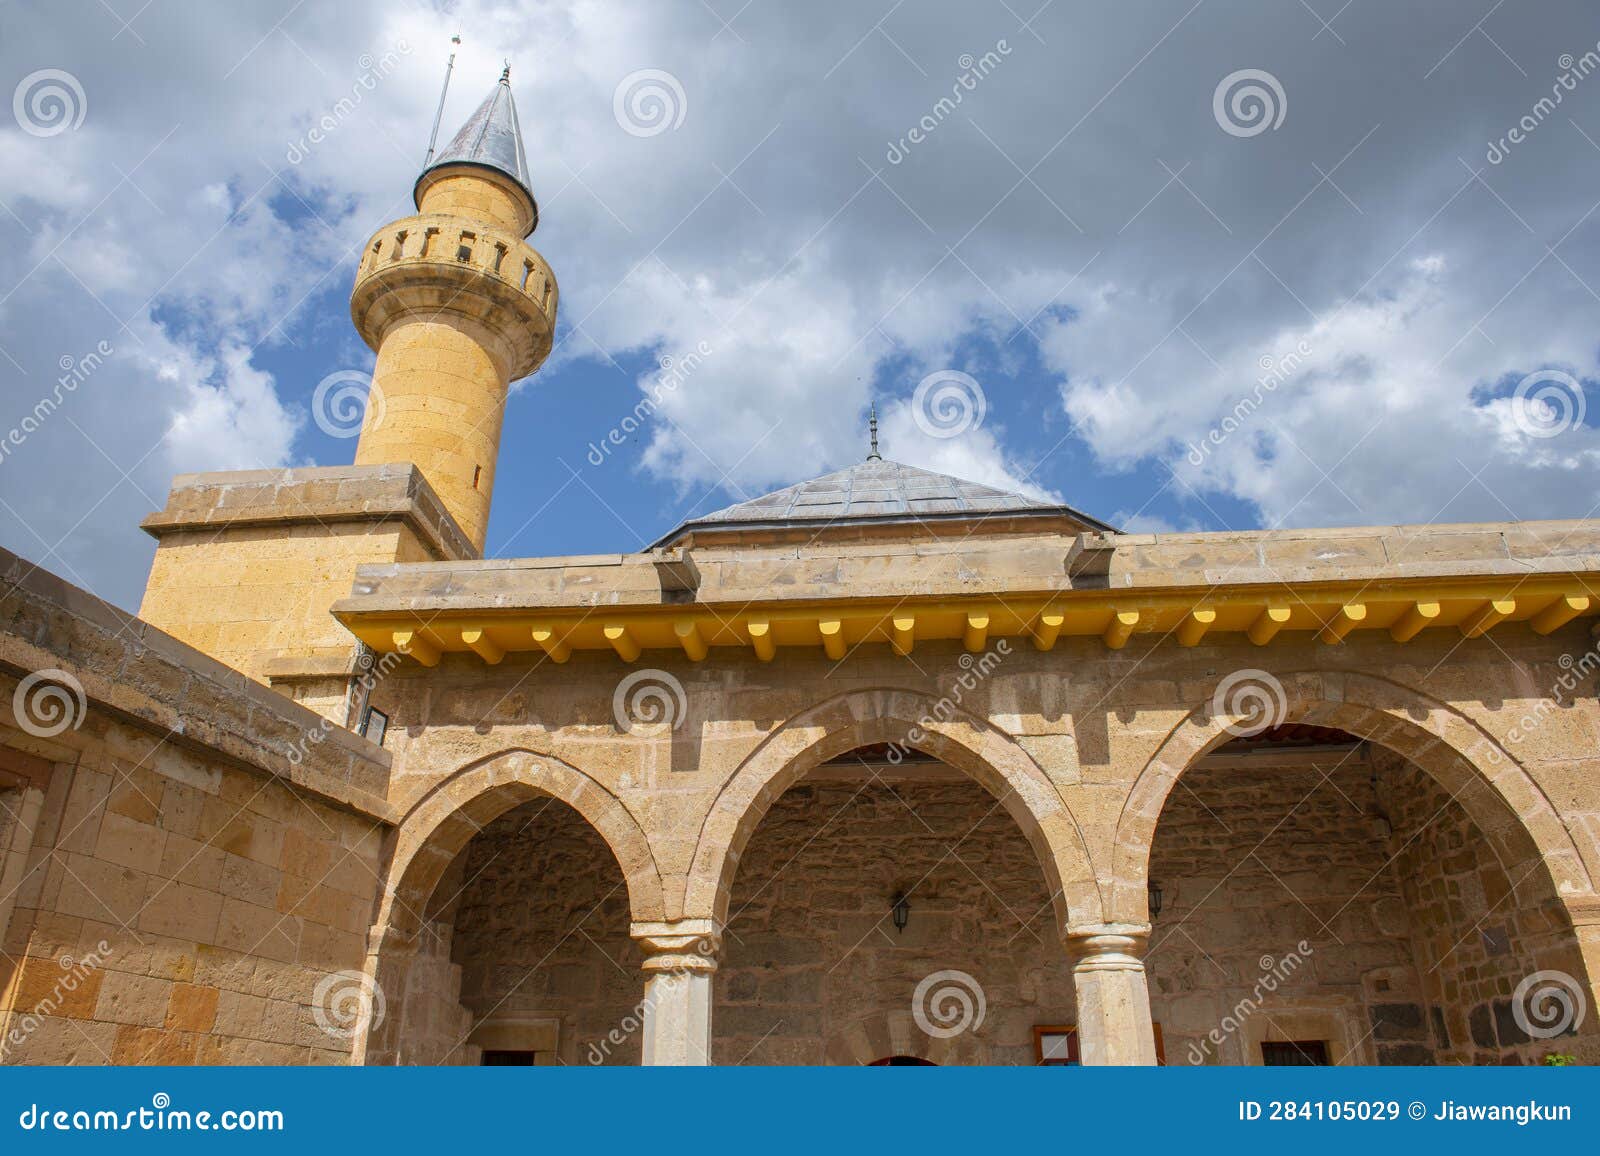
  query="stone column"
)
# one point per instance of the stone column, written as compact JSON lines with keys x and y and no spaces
{"x":1113,"y":998}
{"x":679,"y":962}
{"x":1585,"y":915}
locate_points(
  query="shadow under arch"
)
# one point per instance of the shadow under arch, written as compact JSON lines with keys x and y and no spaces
{"x":1513,"y":813}
{"x":985,"y":754}
{"x":436,"y":829}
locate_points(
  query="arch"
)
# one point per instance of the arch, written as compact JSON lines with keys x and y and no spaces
{"x":1509,"y":808}
{"x":984,"y":753}
{"x":435,"y":830}
{"x":440,"y":824}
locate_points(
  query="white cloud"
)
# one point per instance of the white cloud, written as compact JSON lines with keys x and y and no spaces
{"x":231,"y":418}
{"x":1370,"y":413}
{"x":977,"y":455}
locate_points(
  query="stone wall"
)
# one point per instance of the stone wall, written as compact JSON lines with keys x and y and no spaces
{"x":250,"y":561}
{"x":193,"y":855}
{"x":287,"y":819}
{"x":540,"y":916}
{"x":1474,"y":941}
{"x":1254,"y":863}
{"x":1301,"y":902}
{"x":1092,"y":721}
{"x":435,"y":1028}
{"x":202,"y":907}
{"x":813,"y":969}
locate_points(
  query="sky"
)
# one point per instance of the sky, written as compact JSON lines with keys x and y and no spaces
{"x":1187,"y":265}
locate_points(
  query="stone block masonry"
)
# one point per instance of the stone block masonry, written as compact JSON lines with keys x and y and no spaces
{"x":249,"y":562}
{"x":178,"y":889}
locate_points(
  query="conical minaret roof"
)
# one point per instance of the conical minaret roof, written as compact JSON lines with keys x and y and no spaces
{"x":491,"y":138}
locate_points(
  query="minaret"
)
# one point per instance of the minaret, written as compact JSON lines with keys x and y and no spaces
{"x":457,"y":306}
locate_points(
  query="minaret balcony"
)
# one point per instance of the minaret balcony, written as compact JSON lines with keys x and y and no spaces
{"x":433,"y":264}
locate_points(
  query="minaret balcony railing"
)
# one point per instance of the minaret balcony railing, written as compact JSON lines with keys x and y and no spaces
{"x":439,"y":263}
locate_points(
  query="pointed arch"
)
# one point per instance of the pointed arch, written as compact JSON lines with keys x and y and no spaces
{"x":440,"y":824}
{"x":962,"y":740}
{"x":1510,"y":809}
{"x":436,"y":829}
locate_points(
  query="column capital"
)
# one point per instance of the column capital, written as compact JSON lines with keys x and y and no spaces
{"x":1107,"y":946}
{"x":684,"y":945}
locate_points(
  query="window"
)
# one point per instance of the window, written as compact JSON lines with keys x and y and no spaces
{"x":1294,"y":1053}
{"x":1056,"y":1046}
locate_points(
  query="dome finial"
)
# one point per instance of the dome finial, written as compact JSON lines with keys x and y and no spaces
{"x":872,"y":428}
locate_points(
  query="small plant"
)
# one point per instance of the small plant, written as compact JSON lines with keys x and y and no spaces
{"x":1559,"y":1060}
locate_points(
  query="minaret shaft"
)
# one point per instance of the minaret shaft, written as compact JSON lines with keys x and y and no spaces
{"x":443,"y":382}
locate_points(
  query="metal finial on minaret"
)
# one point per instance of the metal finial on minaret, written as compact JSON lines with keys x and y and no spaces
{"x":872,"y":427}
{"x":505,"y":75}
{"x":433,"y":137}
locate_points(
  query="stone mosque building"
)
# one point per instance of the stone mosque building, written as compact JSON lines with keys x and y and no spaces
{"x":882,"y":768}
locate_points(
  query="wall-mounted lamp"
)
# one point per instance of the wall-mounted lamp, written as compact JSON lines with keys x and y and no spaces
{"x":1153,"y":896}
{"x":901,"y":911}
